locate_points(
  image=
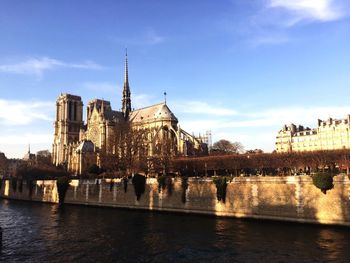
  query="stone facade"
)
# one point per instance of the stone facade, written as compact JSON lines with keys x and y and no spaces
{"x":329,"y":135}
{"x":78,"y":145}
{"x":291,"y":198}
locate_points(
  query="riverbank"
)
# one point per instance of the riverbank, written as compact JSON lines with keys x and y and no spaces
{"x":291,"y":198}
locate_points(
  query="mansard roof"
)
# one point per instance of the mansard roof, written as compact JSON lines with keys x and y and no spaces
{"x":159,"y":111}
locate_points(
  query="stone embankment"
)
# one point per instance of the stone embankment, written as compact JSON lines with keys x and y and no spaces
{"x":291,"y":198}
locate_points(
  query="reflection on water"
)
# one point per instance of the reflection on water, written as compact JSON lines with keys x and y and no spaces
{"x":35,"y":232}
{"x":332,"y":242}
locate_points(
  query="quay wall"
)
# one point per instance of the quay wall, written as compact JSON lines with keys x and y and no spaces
{"x":291,"y":198}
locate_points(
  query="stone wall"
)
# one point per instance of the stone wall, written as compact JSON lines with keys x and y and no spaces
{"x":292,"y":198}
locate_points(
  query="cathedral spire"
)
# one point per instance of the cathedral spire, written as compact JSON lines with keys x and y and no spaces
{"x":126,"y":101}
{"x":126,"y":73}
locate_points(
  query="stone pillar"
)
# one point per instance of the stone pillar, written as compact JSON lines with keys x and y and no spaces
{"x":299,"y":199}
{"x":107,"y":139}
{"x":87,"y":113}
{"x":114,"y":192}
{"x":57,"y":111}
{"x":80,"y":163}
{"x":61,"y":111}
{"x":103,"y":136}
{"x":255,"y":198}
{"x":87,"y":191}
{"x":100,"y":192}
{"x":66,"y":110}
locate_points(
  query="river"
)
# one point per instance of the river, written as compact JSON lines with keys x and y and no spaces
{"x":36,"y":232}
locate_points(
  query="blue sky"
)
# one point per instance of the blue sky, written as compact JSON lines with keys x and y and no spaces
{"x":239,"y":68}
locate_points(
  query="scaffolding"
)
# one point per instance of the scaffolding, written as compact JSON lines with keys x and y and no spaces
{"x":207,"y":138}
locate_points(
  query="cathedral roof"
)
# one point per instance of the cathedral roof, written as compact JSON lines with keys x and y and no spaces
{"x":159,"y":111}
{"x":86,"y":146}
{"x":113,"y":115}
{"x":29,"y":156}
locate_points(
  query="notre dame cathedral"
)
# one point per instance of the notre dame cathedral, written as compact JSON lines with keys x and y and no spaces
{"x":78,"y":145}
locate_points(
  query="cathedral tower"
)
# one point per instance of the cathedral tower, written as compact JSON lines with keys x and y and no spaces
{"x":126,"y":101}
{"x":69,"y":120}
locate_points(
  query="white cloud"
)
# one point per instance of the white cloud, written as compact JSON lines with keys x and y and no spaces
{"x":37,"y":66}
{"x":14,"y":112}
{"x":15,"y":146}
{"x":272,"y":22}
{"x":273,"y":117}
{"x":26,"y":138}
{"x":319,"y":10}
{"x":141,"y":100}
{"x":200,"y":107}
{"x":254,"y":128}
{"x":24,"y":122}
{"x":306,"y":116}
{"x":263,"y":140}
{"x":258,"y":129}
{"x":192,"y":125}
{"x":297,"y":115}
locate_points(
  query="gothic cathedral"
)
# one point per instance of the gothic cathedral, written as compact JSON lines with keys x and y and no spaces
{"x":78,"y":145}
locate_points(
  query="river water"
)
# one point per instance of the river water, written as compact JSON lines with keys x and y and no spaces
{"x":36,"y":232}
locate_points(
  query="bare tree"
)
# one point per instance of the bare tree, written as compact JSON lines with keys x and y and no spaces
{"x":266,"y":163}
{"x":43,"y":157}
{"x":225,"y":147}
{"x":3,"y":164}
{"x":256,"y":151}
{"x":127,"y":150}
{"x":165,"y":150}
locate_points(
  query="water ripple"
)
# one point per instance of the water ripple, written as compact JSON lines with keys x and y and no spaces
{"x":35,"y":232}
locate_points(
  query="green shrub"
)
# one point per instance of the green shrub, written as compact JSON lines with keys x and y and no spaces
{"x":62,"y":187}
{"x":40,"y":173}
{"x":20,"y":185}
{"x":323,"y":181}
{"x":94,"y":169}
{"x":30,"y":186}
{"x":221,"y":185}
{"x":14,"y":184}
{"x":125,"y":184}
{"x":111,"y":185}
{"x":139,"y":183}
{"x":97,"y":186}
{"x":161,"y":183}
{"x":184,"y":186}
{"x":165,"y":182}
